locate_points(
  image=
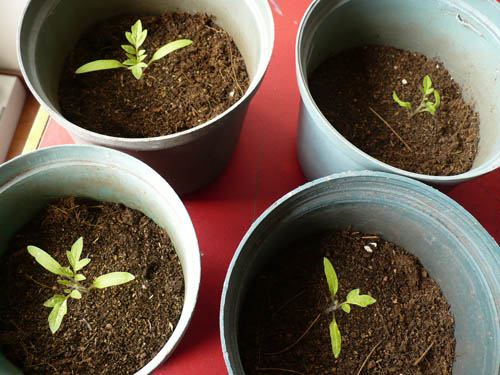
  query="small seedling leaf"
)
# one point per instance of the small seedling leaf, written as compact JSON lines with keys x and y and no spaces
{"x":427,"y":86}
{"x":99,"y":65}
{"x":80,"y":277}
{"x":335,"y":338}
{"x":46,"y":261}
{"x":66,"y":271}
{"x":128,"y":48}
{"x":406,"y":105}
{"x":136,"y":28}
{"x":67,"y":291}
{"x":141,"y":52}
{"x":112,"y":279}
{"x":57,"y":314}
{"x":76,"y":250}
{"x":129,"y":37}
{"x":129,"y":62}
{"x":141,"y":58}
{"x":75,"y":294}
{"x":137,"y":71}
{"x":430,"y":107}
{"x":64,"y":282}
{"x":331,"y":277}
{"x":170,"y":47}
{"x":52,"y":301}
{"x":82,"y":263}
{"x":363,"y":300}
{"x":141,"y":38}
{"x":437,"y":97}
{"x":346,"y":307}
{"x":131,"y":57}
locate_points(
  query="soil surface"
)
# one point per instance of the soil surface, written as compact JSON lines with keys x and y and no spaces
{"x":115,"y":330}
{"x":408,"y":331}
{"x":180,"y":91}
{"x":352,"y":87}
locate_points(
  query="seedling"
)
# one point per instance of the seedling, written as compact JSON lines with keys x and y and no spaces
{"x":353,"y":298}
{"x":135,"y":56}
{"x":71,"y":279}
{"x":425,"y":105}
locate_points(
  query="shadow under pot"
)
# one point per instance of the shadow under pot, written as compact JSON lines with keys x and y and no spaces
{"x":179,"y":109}
{"x":398,"y":88}
{"x":119,"y":221}
{"x":361,"y":222}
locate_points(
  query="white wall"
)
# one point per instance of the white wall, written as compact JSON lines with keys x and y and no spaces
{"x":10,"y":14}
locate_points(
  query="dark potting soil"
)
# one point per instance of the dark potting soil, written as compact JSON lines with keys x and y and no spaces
{"x":349,"y":86}
{"x":180,"y":91}
{"x":408,"y":331}
{"x":115,"y":330}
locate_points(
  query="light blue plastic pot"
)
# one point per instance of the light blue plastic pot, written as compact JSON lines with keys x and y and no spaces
{"x":456,"y":251}
{"x":463,"y":34}
{"x":28,"y":182}
{"x":190,"y":159}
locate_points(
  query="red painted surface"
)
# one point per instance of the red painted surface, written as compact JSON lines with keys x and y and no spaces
{"x":264,"y":168}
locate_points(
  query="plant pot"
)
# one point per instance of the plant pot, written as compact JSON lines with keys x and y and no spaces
{"x":461,"y":35}
{"x":189,"y":159}
{"x":456,"y":251}
{"x":105,"y":175}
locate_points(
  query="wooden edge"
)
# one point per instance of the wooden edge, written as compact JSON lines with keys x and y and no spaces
{"x":37,"y":130}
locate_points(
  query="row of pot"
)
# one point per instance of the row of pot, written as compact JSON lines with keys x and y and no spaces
{"x":452,"y":246}
{"x":463,"y":36}
{"x":457,"y":252}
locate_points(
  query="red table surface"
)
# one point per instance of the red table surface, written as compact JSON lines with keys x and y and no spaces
{"x":263,"y":169}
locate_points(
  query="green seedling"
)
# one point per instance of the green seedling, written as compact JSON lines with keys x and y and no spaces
{"x":71,"y":280}
{"x":135,"y":56}
{"x":425,"y":105}
{"x":353,"y":298}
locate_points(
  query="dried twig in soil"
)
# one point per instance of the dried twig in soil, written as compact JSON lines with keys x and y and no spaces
{"x":390,"y":127}
{"x":424,"y":353}
{"x":368,"y":357}
{"x":299,"y":339}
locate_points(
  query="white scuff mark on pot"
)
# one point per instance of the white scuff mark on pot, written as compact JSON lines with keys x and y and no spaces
{"x":295,"y":22}
{"x":276,"y":7}
{"x":202,"y":254}
{"x":467,"y":24}
{"x":404,"y":81}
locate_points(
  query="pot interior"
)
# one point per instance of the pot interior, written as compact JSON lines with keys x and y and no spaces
{"x":463,"y":35}
{"x":458,"y":254}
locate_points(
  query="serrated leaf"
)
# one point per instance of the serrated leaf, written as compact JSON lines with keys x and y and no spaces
{"x":64,"y":282}
{"x":57,"y":314}
{"x":430,"y":107}
{"x":406,"y":105}
{"x":52,"y":301}
{"x":363,"y":300}
{"x":99,"y":65}
{"x":76,"y":250}
{"x":82,"y":263}
{"x":75,"y":294}
{"x":46,"y":261}
{"x":129,"y":62}
{"x":141,"y":38}
{"x":137,"y":71}
{"x":331,"y":277}
{"x":66,"y":271}
{"x":128,"y":48}
{"x":129,"y":37}
{"x":335,"y":338}
{"x":112,"y":279}
{"x":170,"y":47}
{"x":346,"y":307}
{"x":437,"y":97}
{"x":136,"y":28}
{"x":80,"y":277}
{"x":427,"y":85}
